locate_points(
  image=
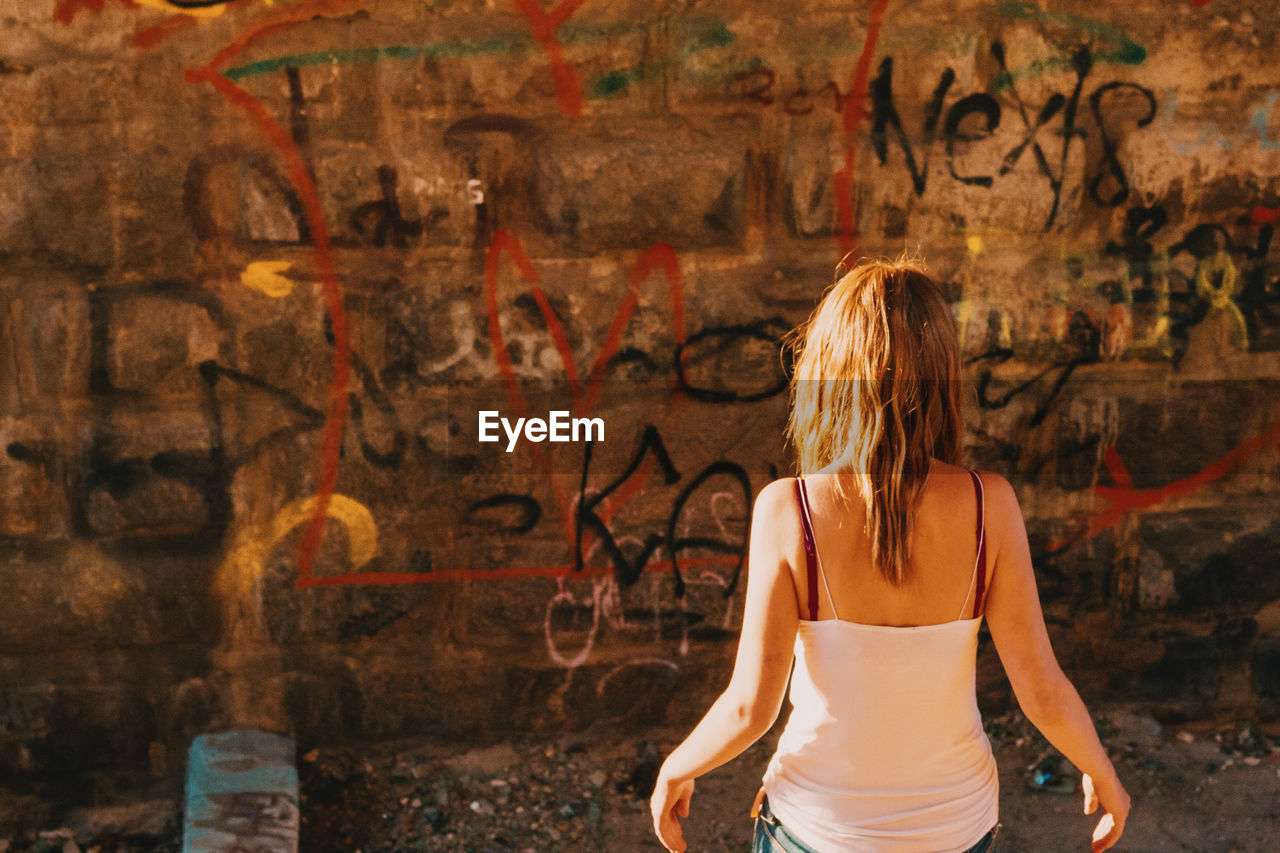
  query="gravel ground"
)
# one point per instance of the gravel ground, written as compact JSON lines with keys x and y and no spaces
{"x":1204,"y":788}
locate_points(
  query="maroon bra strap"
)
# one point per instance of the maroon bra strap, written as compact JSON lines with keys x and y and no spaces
{"x":981,"y":568}
{"x":810,"y":549}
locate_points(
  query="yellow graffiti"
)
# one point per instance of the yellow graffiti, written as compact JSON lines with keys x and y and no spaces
{"x":265,"y":277}
{"x":1222,"y":296}
{"x":193,"y":11}
{"x":246,"y":562}
{"x":1158,"y":337}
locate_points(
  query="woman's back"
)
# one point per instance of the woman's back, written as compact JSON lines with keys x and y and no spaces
{"x":943,"y":539}
{"x":884,"y":748}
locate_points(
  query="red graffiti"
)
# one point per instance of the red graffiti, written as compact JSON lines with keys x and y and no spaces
{"x":855,"y":112}
{"x":153,"y":35}
{"x":563,"y":74}
{"x":68,"y":9}
{"x":1195,"y":3}
{"x":300,"y":177}
{"x":583,"y":399}
{"x":660,"y":255}
{"x":144,"y":39}
{"x":279,"y":22}
{"x":1123,"y":498}
{"x":1262,"y":215}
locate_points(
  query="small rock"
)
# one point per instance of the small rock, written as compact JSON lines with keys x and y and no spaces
{"x":149,"y":817}
{"x":482,"y":806}
{"x":598,"y":778}
{"x":311,"y":756}
{"x":1186,"y":737}
{"x":570,"y":809}
{"x":62,"y":834}
{"x":417,"y":803}
{"x":1252,"y":761}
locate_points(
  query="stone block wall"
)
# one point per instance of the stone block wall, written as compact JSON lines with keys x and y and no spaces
{"x":263,"y":263}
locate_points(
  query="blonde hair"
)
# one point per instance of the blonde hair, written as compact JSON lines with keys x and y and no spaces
{"x":876,"y":392}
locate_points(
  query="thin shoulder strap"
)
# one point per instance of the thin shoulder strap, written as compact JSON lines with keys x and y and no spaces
{"x":810,"y":550}
{"x":980,"y":564}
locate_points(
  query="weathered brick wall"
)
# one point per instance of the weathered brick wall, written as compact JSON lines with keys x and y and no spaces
{"x":264,"y":262}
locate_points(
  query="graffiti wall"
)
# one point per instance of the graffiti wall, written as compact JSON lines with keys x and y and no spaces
{"x":266,"y":263}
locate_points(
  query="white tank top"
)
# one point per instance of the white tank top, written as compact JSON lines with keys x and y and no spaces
{"x":884,"y":749}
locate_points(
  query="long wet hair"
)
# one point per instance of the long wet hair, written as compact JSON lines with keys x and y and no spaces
{"x":876,"y":392}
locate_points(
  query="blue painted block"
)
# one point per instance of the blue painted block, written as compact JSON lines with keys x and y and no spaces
{"x":242,"y":794}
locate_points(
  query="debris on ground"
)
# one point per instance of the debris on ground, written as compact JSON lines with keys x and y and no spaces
{"x":588,"y":793}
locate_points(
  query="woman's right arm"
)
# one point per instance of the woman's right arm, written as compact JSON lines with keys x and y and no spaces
{"x":1047,"y":698}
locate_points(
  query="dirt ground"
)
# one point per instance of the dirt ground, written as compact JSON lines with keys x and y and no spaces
{"x":1199,"y":787}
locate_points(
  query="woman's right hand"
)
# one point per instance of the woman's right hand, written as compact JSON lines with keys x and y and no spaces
{"x":1115,"y":810}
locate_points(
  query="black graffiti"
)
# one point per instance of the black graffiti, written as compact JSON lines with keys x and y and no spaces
{"x":675,"y":544}
{"x":1114,"y":169}
{"x":392,"y":457}
{"x":379,"y":221}
{"x":1087,"y":339}
{"x":1081,"y":63}
{"x":1203,"y":242}
{"x":715,"y":340}
{"x":756,"y":85}
{"x":885,"y":116}
{"x":528,"y":509}
{"x":298,"y":128}
{"x":1110,"y":186}
{"x":30,"y":453}
{"x":310,"y":418}
{"x":627,"y":570}
{"x":107,"y":470}
{"x":980,"y":104}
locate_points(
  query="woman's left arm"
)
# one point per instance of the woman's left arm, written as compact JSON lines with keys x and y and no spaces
{"x":750,"y":704}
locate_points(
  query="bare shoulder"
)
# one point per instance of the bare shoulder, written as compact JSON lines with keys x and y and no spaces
{"x":1002,"y":512}
{"x":776,"y":500}
{"x":998,"y":495}
{"x":776,"y":515}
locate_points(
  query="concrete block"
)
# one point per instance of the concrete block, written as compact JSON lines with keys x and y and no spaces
{"x":157,"y":342}
{"x":33,"y":503}
{"x":45,"y":341}
{"x":242,"y":794}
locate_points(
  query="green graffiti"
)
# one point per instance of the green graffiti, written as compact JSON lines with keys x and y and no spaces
{"x":357,"y":55}
{"x":701,"y":38}
{"x":1124,"y":51}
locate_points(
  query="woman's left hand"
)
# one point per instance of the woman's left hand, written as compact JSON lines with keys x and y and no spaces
{"x":669,"y":803}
